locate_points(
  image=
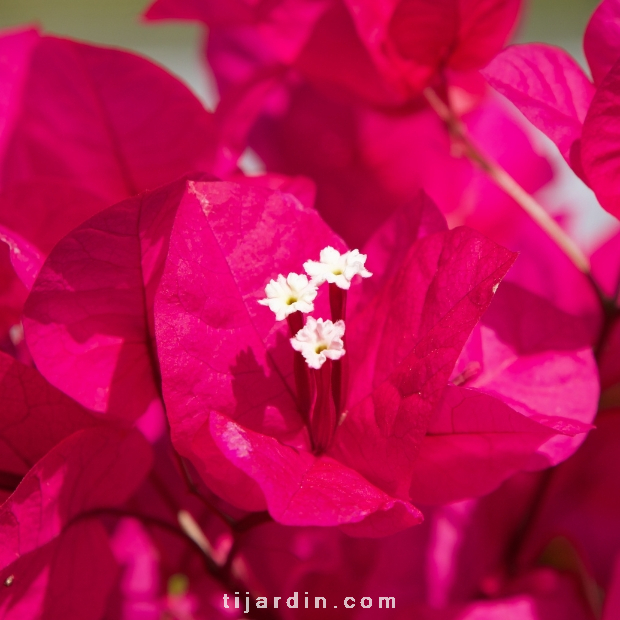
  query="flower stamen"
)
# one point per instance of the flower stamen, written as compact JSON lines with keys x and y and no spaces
{"x":295,"y":293}
{"x":336,"y":268}
{"x":320,"y":376}
{"x":319,"y":341}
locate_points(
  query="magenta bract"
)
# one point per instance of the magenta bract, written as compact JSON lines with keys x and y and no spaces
{"x":93,"y":117}
{"x":548,"y":86}
{"x":192,"y":274}
{"x":600,"y":41}
{"x":82,"y":127}
{"x":360,"y":157}
{"x":554,"y":93}
{"x":52,"y":540}
{"x":109,"y":365}
{"x":383,"y":51}
{"x":220,"y":351}
{"x":599,"y":153}
{"x":35,"y":417}
{"x":502,"y":412}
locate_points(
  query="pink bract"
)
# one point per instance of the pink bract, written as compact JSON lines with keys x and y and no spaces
{"x":383,"y":51}
{"x":599,"y":153}
{"x":53,"y":545}
{"x":412,"y":41}
{"x":554,"y":93}
{"x":35,"y":417}
{"x":548,"y":86}
{"x":82,"y":127}
{"x":94,"y":117}
{"x":508,"y":374}
{"x":361,"y":157}
{"x":203,"y":253}
{"x":600,"y":41}
{"x":97,"y":346}
{"x":582,"y":502}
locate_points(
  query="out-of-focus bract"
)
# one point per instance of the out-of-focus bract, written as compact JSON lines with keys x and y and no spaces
{"x":377,"y":379}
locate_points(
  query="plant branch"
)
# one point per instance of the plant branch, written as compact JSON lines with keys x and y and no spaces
{"x":223,"y":574}
{"x":525,"y":200}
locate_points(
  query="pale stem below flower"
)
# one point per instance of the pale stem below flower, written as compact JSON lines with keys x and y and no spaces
{"x":527,"y":202}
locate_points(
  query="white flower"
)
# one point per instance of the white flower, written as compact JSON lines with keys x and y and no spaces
{"x":319,"y":340}
{"x":290,"y":294}
{"x":337,"y":268}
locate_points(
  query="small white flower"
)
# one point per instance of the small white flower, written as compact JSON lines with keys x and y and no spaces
{"x":290,"y":294}
{"x":319,"y":340}
{"x":337,"y":268}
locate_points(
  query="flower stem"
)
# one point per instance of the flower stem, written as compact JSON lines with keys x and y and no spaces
{"x":323,"y":420}
{"x":302,"y":380}
{"x":525,"y":200}
{"x":223,"y":574}
{"x":338,"y":307}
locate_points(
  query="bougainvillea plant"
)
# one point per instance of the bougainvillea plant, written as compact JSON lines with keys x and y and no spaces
{"x":377,"y":380}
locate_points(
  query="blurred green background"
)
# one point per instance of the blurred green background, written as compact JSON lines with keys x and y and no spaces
{"x":178,"y":45}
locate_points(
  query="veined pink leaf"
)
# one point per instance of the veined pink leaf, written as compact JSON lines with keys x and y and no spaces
{"x":601,"y":39}
{"x":547,"y":86}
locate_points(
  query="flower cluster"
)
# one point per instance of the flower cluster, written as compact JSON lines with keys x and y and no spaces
{"x":321,"y":395}
{"x":169,"y":450}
